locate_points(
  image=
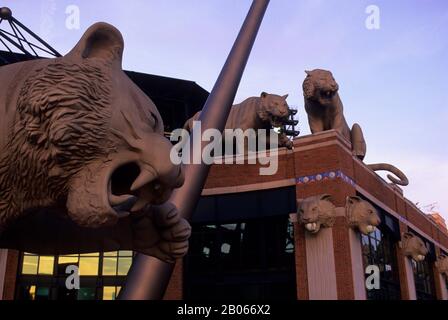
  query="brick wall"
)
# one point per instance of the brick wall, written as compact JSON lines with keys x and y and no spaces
{"x":12,"y":265}
{"x":229,"y":175}
{"x":329,"y":152}
{"x":300,"y":260}
{"x":174,"y":290}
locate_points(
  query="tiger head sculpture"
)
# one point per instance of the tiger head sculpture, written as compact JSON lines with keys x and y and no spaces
{"x":273,"y":109}
{"x":442,"y":264}
{"x":316,"y":212}
{"x":79,"y":135}
{"x":361,"y":215}
{"x":320,"y":86}
{"x":413,"y":246}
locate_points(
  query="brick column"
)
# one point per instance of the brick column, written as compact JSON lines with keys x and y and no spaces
{"x":343,"y":260}
{"x":359,"y":286}
{"x":174,"y":290}
{"x":439,"y":281}
{"x":406,"y":274}
{"x":320,"y":259}
{"x":3,"y":259}
{"x":12,"y":263}
{"x":443,"y":293}
{"x":301,"y":263}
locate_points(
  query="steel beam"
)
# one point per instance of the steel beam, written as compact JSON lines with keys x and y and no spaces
{"x":148,"y":277}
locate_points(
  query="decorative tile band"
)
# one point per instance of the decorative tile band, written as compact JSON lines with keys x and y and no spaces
{"x":330,"y":175}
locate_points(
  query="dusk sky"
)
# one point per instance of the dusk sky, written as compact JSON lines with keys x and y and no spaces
{"x":393,"y":80}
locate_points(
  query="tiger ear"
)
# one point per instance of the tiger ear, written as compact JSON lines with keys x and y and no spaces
{"x":102,"y":41}
{"x":308,"y":72}
{"x":351,"y":200}
{"x":406,"y":235}
{"x":326,"y":197}
{"x":285,"y":96}
{"x":264,"y":94}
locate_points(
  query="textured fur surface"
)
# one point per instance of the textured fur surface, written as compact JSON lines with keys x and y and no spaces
{"x":80,"y":139}
{"x":51,"y":138}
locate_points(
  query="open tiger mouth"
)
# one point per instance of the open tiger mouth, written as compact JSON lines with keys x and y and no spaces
{"x":133,"y":186}
{"x":278,"y":121}
{"x":327,"y":94}
{"x":312,"y":227}
{"x":420,"y":257}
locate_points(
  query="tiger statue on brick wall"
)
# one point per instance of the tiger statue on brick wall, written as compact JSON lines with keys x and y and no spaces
{"x":265,"y":112}
{"x":326,"y":112}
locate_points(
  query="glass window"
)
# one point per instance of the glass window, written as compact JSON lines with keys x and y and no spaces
{"x":88,"y":266}
{"x":64,"y":262}
{"x":109,"y":266}
{"x":44,"y":276}
{"x":94,"y":254}
{"x":289,"y":248}
{"x":68,"y":260}
{"x":26,"y":292}
{"x":86,"y":294}
{"x":378,"y":249}
{"x":32,"y":292}
{"x":110,"y":293}
{"x":424,"y":280}
{"x":30,"y":263}
{"x":423,"y":275}
{"x":46,"y":265}
{"x":123,"y":266}
{"x":244,"y":259}
{"x":95,"y":269}
{"x":42,"y":293}
{"x":111,"y":254}
{"x":125,"y":253}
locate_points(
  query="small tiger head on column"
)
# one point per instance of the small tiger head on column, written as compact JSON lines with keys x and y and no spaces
{"x":361,"y":215}
{"x":442,"y":264}
{"x":413,"y":247}
{"x":316,"y":212}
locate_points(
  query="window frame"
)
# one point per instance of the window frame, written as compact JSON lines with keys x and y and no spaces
{"x":27,"y":285}
{"x":390,"y":288}
{"x":264,"y":272}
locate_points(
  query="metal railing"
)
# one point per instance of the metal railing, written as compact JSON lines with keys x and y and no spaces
{"x":21,"y":38}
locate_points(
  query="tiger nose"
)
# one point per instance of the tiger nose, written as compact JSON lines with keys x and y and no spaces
{"x":159,"y":164}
